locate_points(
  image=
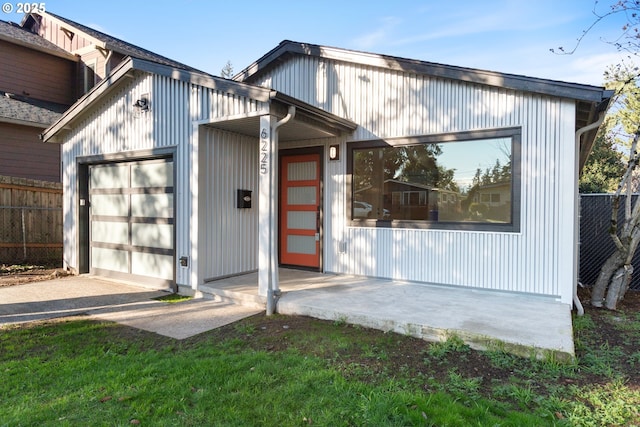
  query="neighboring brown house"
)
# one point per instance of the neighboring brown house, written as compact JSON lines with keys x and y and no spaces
{"x":38,"y":81}
{"x":99,"y":52}
{"x":46,"y":64}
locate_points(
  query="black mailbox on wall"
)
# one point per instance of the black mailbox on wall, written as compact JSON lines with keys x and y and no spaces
{"x":244,"y":199}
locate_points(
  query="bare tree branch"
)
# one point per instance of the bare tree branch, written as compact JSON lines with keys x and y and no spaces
{"x":630,"y":33}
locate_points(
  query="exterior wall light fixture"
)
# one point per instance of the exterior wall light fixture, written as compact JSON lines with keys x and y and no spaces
{"x":334,"y":152}
{"x":143,"y":103}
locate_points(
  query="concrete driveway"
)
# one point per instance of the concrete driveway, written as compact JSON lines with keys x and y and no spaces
{"x":129,"y":305}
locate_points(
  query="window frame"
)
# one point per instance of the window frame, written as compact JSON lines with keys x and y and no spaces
{"x":515,"y":133}
{"x":90,"y":70}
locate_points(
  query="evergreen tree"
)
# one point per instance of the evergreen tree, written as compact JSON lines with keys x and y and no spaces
{"x":605,"y":166}
{"x":227,"y":70}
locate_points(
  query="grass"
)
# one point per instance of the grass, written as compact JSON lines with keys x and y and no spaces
{"x":173,"y":298}
{"x":288,"y":371}
{"x":83,"y":373}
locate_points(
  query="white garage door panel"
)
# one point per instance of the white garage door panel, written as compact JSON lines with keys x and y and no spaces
{"x":144,"y":264}
{"x":152,"y":235}
{"x":152,"y":175}
{"x":110,"y":205}
{"x":109,"y":176}
{"x":153,"y":205}
{"x":110,"y":259}
{"x":110,"y":232}
{"x":132,"y":224}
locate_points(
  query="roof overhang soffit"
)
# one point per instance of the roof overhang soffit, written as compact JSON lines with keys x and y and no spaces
{"x":100,"y":47}
{"x":586,"y":114}
{"x":311,"y":116}
{"x":307,"y":123}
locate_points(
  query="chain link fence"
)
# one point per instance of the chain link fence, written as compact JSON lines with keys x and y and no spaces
{"x":31,"y":235}
{"x":595,"y":243}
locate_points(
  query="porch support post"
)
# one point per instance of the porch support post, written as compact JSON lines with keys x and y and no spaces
{"x":267,"y":160}
{"x":192,"y":267}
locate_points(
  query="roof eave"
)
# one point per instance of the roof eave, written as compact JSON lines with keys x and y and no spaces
{"x":491,"y":78}
{"x":343,"y":125}
{"x":20,"y":122}
{"x":205,"y":80}
{"x":43,"y":49}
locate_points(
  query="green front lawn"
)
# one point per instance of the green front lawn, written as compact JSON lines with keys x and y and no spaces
{"x":292,"y":371}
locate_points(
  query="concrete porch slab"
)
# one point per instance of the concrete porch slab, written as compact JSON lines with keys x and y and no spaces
{"x":526,"y":325}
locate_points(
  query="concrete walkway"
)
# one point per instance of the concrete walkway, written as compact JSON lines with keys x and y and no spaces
{"x":522,"y":324}
{"x":126,"y":304}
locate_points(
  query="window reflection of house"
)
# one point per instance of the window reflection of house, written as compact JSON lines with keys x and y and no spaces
{"x":491,"y":202}
{"x":411,"y":201}
{"x":426,"y":181}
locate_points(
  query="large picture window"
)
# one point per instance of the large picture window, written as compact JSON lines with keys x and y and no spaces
{"x":464,"y":180}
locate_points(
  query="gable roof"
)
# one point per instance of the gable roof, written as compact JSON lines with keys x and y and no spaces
{"x":106,"y":41}
{"x":15,"y":34}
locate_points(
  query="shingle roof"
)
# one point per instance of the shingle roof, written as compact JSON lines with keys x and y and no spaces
{"x":14,"y":33}
{"x":123,"y":47}
{"x":22,"y":109}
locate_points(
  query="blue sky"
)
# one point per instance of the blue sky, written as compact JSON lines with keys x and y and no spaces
{"x":511,"y":36}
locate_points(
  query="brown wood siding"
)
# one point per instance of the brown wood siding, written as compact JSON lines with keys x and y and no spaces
{"x":52,"y":31}
{"x":23,"y":155}
{"x":36,"y":74}
{"x":116,"y":58}
{"x":96,"y":57}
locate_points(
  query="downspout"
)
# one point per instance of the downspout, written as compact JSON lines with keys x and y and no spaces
{"x":576,"y":222}
{"x":273,"y":291}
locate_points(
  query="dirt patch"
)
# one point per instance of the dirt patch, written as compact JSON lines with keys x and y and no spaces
{"x":18,"y":274}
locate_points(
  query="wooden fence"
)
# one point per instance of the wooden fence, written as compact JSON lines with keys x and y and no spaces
{"x":31,"y":227}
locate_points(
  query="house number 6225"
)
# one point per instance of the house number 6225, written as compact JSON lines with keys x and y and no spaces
{"x":264,"y":152}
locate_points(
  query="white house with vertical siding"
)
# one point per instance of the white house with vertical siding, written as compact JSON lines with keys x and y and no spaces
{"x":329,"y":160}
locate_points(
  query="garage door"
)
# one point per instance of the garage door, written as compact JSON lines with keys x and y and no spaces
{"x":132,"y":221}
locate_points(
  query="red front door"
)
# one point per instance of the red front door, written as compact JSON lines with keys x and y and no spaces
{"x":300,"y":210}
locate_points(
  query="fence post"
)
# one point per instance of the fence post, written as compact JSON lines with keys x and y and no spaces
{"x":24,"y":235}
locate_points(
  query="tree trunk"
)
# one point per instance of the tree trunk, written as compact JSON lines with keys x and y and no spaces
{"x":616,"y":272}
{"x":618,"y":286}
{"x":610,"y":266}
